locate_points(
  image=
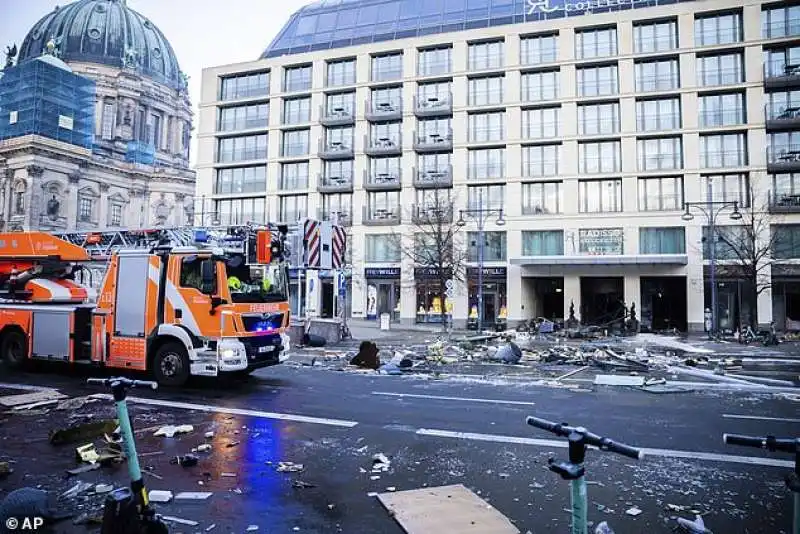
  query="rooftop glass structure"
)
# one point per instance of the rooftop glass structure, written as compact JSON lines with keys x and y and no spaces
{"x":328,"y":24}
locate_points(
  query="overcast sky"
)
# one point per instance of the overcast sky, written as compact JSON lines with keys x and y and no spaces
{"x":203,"y":33}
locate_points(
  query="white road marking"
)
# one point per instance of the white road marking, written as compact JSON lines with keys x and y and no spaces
{"x":759,"y":418}
{"x":442,"y":397}
{"x":240,"y":411}
{"x":24,"y":387}
{"x":562,"y":444}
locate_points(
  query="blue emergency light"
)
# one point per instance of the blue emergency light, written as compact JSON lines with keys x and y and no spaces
{"x":201,"y":236}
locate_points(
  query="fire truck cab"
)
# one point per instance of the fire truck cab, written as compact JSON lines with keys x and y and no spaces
{"x":205,"y":309}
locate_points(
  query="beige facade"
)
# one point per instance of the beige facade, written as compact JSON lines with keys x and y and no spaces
{"x":630,"y":270}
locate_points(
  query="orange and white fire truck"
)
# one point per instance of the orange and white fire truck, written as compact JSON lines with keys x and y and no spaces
{"x":214,"y":302}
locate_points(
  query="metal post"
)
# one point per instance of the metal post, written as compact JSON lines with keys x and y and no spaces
{"x":712,"y":258}
{"x":480,"y":259}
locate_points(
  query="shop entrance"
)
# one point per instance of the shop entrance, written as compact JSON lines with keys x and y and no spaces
{"x":327,"y":299}
{"x":602,"y":300}
{"x":663,"y":304}
{"x":549,"y":294}
{"x":786,"y":304}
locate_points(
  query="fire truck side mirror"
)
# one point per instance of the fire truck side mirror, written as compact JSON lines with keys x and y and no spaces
{"x":207,"y":275}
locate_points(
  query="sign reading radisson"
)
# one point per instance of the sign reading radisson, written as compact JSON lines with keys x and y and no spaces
{"x":553,"y":6}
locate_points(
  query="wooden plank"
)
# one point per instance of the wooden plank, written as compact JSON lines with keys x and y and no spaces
{"x":445,"y":510}
{"x":30,"y":398}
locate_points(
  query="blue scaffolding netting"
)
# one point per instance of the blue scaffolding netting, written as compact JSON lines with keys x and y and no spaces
{"x":43,"y":97}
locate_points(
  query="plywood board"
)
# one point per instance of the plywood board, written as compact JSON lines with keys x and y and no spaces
{"x":445,"y":510}
{"x":30,"y":398}
{"x":618,"y":380}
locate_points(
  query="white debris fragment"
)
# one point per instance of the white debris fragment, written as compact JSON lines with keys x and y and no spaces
{"x":228,"y":475}
{"x":391,"y":488}
{"x":697,"y":526}
{"x":103,"y":488}
{"x":380,"y":463}
{"x":159,"y":496}
{"x":192,"y":495}
{"x":170,"y":430}
{"x":205,"y":447}
{"x":171,"y":519}
{"x":633,"y":511}
{"x":209,"y":435}
{"x":372,"y":494}
{"x":252,"y":528}
{"x":289,"y":467}
{"x":374,"y":477}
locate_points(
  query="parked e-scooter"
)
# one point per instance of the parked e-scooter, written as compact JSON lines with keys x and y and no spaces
{"x":128,"y":510}
{"x":574,"y":470}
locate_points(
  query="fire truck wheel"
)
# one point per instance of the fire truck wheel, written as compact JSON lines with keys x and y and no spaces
{"x":13,"y":349}
{"x":171,"y":365}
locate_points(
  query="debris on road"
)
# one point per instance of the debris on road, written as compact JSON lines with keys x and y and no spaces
{"x":75,"y":403}
{"x":187,"y":460}
{"x":633,"y":511}
{"x":603,"y":528}
{"x":77,"y":489}
{"x":169,"y":431}
{"x":697,"y":526}
{"x":5,"y":469}
{"x":180,"y":521}
{"x":27,"y":399}
{"x":205,"y":447}
{"x":83,"y":432}
{"x":618,"y":380}
{"x":193,"y":495}
{"x":302,"y":485}
{"x":380,"y":463}
{"x":289,"y":467}
{"x":209,"y":435}
{"x":101,"y":489}
{"x":159,"y":496}
{"x":367,"y":356}
{"x":509,"y":353}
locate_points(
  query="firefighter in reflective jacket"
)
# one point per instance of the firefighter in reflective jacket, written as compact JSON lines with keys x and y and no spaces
{"x":234,"y":284}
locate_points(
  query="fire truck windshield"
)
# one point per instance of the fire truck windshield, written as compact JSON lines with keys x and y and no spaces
{"x":256,"y":284}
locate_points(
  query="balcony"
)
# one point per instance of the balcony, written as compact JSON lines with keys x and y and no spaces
{"x":781,"y":75}
{"x":433,"y":106}
{"x":721,"y":118}
{"x":335,"y":184}
{"x":538,"y":208}
{"x":433,"y":178}
{"x":384,"y":110}
{"x":433,"y":142}
{"x":383,"y":145}
{"x":333,"y":150}
{"x":783,"y":158}
{"x":784,"y":203}
{"x":336,"y":116}
{"x":381,"y":216}
{"x":431,"y":215}
{"x":389,"y":180}
{"x":782,"y":117}
{"x":340,"y":217}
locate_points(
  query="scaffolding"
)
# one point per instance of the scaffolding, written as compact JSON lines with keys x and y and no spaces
{"x":43,"y":97}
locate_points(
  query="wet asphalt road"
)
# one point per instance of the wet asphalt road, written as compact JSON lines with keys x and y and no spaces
{"x":436,"y":432}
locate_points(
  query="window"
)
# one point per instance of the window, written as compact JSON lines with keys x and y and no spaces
{"x":785,"y":185}
{"x":295,"y":143}
{"x":433,"y":162}
{"x":660,"y":153}
{"x":718,"y":29}
{"x":494,"y":246}
{"x":388,"y":98}
{"x":783,"y":104}
{"x":598,"y":119}
{"x":241,"y":180}
{"x":383,"y":204}
{"x":597,"y":81}
{"x":434,"y":198}
{"x":722,"y":69}
{"x":723,"y":237}
{"x":437,"y":90}
{"x":85,"y":209}
{"x":538,"y":86}
{"x":293,"y":208}
{"x":660,"y":194}
{"x":297,"y":78}
{"x":599,"y":157}
{"x":486,"y":197}
{"x":538,"y":49}
{"x":661,"y":75}
{"x":296,"y":110}
{"x":728,"y":188}
{"x":19,"y":198}
{"x":154,"y":130}
{"x":385,"y":167}
{"x":340,"y":104}
{"x":338,"y":203}
{"x":434,"y":61}
{"x":778,"y":144}
{"x":192,"y":275}
{"x":725,"y":109}
{"x":116,"y":214}
{"x":658,"y":36}
{"x":599,"y":42}
{"x":245,"y":86}
{"x":486,"y":127}
{"x":243,"y":117}
{"x":781,"y":21}
{"x":727,"y":150}
{"x":429,"y":128}
{"x":341,"y":72}
{"x":541,"y":198}
{"x":340,"y":170}
{"x":486,"y":91}
{"x":487,"y":163}
{"x":244,"y":148}
{"x":540,"y":160}
{"x":488,"y":55}
{"x":599,"y":196}
{"x":108,"y":120}
{"x":658,"y":115}
{"x":779,"y":61}
{"x":543,"y":243}
{"x":341,"y":137}
{"x":540,"y":123}
{"x":382,"y":248}
{"x":240,"y":211}
{"x":387,"y":67}
{"x":786,"y":243}
{"x":662,"y":240}
{"x":385,"y":133}
{"x":294,"y":176}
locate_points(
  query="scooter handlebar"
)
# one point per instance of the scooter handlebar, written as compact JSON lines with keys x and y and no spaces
{"x":770,"y":443}
{"x":124,"y":381}
{"x":605,"y":444}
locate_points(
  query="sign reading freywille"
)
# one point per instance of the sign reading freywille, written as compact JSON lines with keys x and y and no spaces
{"x":601,"y":241}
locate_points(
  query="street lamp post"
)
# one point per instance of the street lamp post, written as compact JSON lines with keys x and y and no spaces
{"x":712,"y":209}
{"x":480,"y":215}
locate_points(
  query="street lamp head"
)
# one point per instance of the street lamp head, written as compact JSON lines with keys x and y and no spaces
{"x":500,"y":219}
{"x":461,"y":221}
{"x":687,"y":216}
{"x":736,"y":215}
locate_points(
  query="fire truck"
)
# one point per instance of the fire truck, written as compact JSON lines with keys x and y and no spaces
{"x":173,"y":302}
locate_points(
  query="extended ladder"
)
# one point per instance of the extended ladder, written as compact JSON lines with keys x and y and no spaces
{"x":101,"y":244}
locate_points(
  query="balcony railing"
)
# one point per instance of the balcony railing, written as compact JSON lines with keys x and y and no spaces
{"x":331,"y":149}
{"x":720,"y":159}
{"x":658,"y":122}
{"x":486,"y":98}
{"x":539,"y":208}
{"x":784,"y":202}
{"x":433,"y":105}
{"x":782,"y":117}
{"x":600,"y":88}
{"x":381,"y":215}
{"x":729,"y":117}
{"x":383,"y":145}
{"x":384,"y":180}
{"x":664,"y":82}
{"x":336,"y":116}
{"x":342,"y":183}
{"x":781,"y":73}
{"x":434,"y":141}
{"x":340,"y":217}
{"x":783,"y":159}
{"x":781,"y":28}
{"x":431,"y":214}
{"x":434,"y":68}
{"x":384,"y":110}
{"x":598,"y":126}
{"x":658,"y":44}
{"x":433,"y":178}
{"x":234,"y":124}
{"x":712,"y":77}
{"x":486,"y":172}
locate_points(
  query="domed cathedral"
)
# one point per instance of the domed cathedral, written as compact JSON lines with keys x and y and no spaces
{"x":95,"y":124}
